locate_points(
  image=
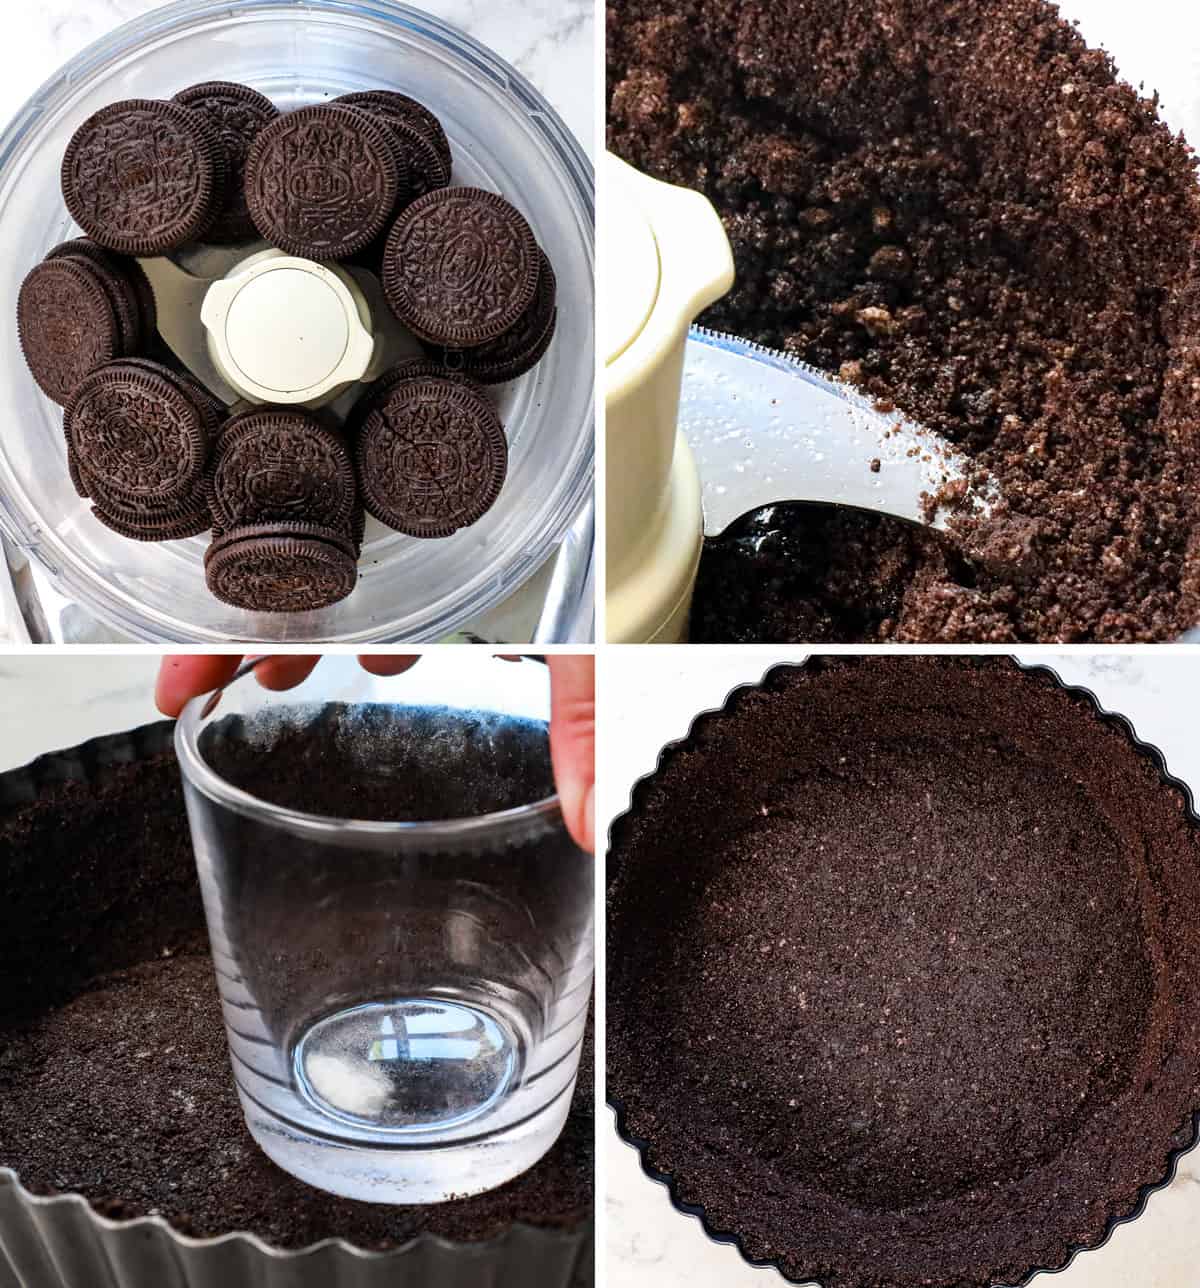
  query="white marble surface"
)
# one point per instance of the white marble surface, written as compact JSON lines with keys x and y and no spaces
{"x":649,"y":1244}
{"x":53,"y":701}
{"x":49,"y":701}
{"x":548,"y":41}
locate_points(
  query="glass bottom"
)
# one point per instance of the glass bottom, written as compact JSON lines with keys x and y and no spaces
{"x":410,"y":1064}
{"x":412,"y":1173}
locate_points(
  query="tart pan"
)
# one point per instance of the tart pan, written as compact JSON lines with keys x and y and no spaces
{"x":1189,"y":1133}
{"x":62,"y":1242}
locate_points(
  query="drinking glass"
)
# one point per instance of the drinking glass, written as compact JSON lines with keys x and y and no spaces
{"x":404,"y":995}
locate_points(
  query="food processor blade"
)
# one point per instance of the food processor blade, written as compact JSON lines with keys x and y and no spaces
{"x":766,"y":428}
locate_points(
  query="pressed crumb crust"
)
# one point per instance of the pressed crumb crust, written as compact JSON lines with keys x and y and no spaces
{"x":114,"y":1072}
{"x":904,"y":972}
{"x":959,"y":208}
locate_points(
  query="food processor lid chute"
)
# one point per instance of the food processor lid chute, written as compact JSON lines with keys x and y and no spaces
{"x":632,"y":265}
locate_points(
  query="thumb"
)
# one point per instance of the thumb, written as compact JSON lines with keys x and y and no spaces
{"x":573,"y":742}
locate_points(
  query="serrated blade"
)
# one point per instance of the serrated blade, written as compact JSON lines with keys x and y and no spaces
{"x":766,"y":428}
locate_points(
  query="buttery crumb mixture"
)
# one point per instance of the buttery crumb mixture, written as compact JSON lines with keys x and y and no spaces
{"x":961,"y":209}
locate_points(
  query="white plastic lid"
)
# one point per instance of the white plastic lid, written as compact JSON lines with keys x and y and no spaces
{"x":287,"y":330}
{"x":632,"y":271}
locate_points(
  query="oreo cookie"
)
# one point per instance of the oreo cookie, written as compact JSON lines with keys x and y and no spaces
{"x":237,"y":113}
{"x":144,"y":177}
{"x":287,"y":528}
{"x":520,"y":348}
{"x":322,"y":181}
{"x":134,"y":284}
{"x":170,"y":522}
{"x":142,"y":518}
{"x":212,"y":408}
{"x":67,"y":325}
{"x":274,"y":465}
{"x":431,"y":458}
{"x":399,"y":109}
{"x":120,"y":296}
{"x":376,"y":395}
{"x":460,"y":267}
{"x":279,"y":574}
{"x":137,"y":434}
{"x":146,"y":518}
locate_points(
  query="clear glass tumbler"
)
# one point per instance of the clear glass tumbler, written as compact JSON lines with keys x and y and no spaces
{"x":401,"y":925}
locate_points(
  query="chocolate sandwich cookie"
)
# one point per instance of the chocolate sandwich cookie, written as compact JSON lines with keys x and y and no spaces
{"x":67,"y":326}
{"x":425,"y":169}
{"x":134,"y":279}
{"x":120,"y":294}
{"x":137,"y":284}
{"x":336,"y":537}
{"x":212,"y":408}
{"x":461,"y":266}
{"x":376,"y":395}
{"x":237,"y":113}
{"x":170,"y":522}
{"x":143,"y":518}
{"x":137,"y":434}
{"x":520,"y":348}
{"x":143,"y":177}
{"x":274,"y":465}
{"x":322,"y":181}
{"x":432,"y":458}
{"x":402,"y":110}
{"x":277,"y":574}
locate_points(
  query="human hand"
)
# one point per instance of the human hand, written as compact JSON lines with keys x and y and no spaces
{"x":572,"y":711}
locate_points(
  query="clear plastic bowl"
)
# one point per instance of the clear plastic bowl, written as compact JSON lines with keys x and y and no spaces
{"x":505,"y":136}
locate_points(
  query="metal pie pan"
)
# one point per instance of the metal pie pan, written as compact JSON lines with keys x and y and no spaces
{"x":642,"y":1145}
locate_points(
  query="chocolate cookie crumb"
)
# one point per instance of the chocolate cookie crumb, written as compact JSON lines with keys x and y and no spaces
{"x":904,"y":981}
{"x":81,"y":1005}
{"x":965,"y":206}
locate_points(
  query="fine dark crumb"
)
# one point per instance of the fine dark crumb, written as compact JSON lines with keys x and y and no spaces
{"x":114,"y":1072}
{"x":903,"y":973}
{"x":131,"y":1090}
{"x":961,"y":208}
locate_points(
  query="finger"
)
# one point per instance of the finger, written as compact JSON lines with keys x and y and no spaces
{"x":182,"y":677}
{"x":285,"y":670}
{"x":388,"y":663}
{"x":573,"y":742}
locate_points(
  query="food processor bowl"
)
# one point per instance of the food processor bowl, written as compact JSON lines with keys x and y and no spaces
{"x":504,"y":135}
